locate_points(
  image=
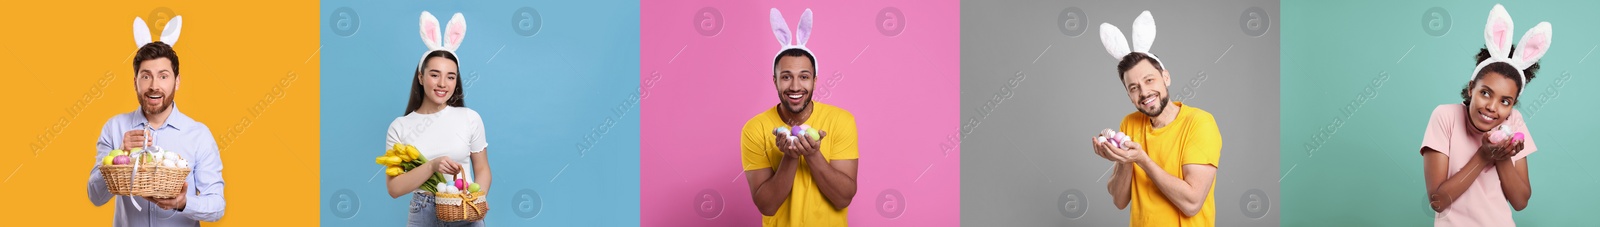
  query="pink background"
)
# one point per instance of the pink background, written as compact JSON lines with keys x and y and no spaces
{"x":700,"y":89}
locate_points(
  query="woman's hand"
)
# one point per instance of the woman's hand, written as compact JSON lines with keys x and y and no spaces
{"x":1508,"y":152}
{"x":445,"y":166}
{"x":1498,"y":150}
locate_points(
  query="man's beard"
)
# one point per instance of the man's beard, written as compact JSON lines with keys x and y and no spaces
{"x":803,"y":105}
{"x":1160,"y":107}
{"x":165,"y":103}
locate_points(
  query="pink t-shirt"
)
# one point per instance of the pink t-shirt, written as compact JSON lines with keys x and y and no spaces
{"x":1483,"y":204}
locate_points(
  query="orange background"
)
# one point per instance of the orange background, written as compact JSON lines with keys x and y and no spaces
{"x":250,"y":72}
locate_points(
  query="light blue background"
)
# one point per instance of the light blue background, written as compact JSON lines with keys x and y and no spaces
{"x":539,"y":97}
{"x":1351,"y":138}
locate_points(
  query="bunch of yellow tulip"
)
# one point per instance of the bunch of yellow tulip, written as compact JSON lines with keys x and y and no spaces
{"x":404,"y":157}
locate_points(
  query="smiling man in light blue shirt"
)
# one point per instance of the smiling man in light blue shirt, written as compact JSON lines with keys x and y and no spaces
{"x":157,"y":119}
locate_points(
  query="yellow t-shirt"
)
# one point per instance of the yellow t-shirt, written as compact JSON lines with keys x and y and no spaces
{"x":806,"y":206}
{"x":1191,"y":138}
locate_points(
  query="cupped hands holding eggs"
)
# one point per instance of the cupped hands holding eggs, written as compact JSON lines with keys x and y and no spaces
{"x":1116,"y":138}
{"x":798,"y":131}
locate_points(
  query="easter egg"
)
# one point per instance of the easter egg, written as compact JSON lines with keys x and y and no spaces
{"x":1099,"y":139}
{"x":441,"y":186}
{"x":473,"y":188}
{"x":815,"y":135}
{"x":109,"y":159}
{"x":121,"y":160}
{"x":460,"y":184}
{"x":1518,"y":137}
{"x":798,"y":131}
{"x":1496,"y":137}
{"x":1500,"y":134}
{"x":781,"y":130}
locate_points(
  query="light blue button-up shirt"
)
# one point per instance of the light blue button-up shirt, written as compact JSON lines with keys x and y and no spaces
{"x":181,"y":134}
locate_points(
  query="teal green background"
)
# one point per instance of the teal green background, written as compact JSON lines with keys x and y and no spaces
{"x":1367,"y":170}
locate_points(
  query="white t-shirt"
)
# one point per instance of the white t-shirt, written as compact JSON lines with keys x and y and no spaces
{"x":454,"y":133}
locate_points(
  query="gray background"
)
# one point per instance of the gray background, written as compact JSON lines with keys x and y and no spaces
{"x":1032,"y":93}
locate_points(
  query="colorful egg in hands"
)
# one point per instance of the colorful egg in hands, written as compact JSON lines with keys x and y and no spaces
{"x":1117,"y":139}
{"x":798,"y":131}
{"x":815,"y":135}
{"x":1518,"y":137}
{"x":783,"y":131}
{"x":1501,"y":134}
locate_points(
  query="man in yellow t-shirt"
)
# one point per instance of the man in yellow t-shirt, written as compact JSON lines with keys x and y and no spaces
{"x":798,"y":180}
{"x":1167,"y":167}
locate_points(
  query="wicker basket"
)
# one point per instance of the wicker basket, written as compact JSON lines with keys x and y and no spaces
{"x":151,"y":181}
{"x":117,"y":178}
{"x":453,"y":207}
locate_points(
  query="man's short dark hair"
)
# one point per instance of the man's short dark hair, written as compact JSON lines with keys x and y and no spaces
{"x":793,"y":52}
{"x":1133,"y":59}
{"x":155,"y":50}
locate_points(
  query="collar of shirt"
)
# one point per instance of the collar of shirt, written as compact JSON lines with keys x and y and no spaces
{"x":177,"y":120}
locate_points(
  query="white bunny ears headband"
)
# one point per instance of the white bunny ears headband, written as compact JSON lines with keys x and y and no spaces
{"x":792,"y":40}
{"x":169,"y":34}
{"x":1497,"y":38}
{"x":1144,"y":34}
{"x":448,"y":41}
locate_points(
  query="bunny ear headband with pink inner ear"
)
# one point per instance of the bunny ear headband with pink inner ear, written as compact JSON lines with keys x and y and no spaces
{"x":169,"y":33}
{"x":1497,"y":38}
{"x":792,"y":40}
{"x":448,"y":41}
{"x":1144,"y":35}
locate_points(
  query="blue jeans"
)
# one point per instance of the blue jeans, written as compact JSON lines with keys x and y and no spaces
{"x":422,"y":213}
